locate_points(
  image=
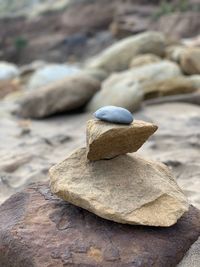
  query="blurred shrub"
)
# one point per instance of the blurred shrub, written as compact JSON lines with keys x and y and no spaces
{"x":167,"y":7}
{"x":20,"y":43}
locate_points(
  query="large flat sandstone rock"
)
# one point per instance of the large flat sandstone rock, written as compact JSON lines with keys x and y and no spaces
{"x":125,"y":189}
{"x":107,"y":140}
{"x":37,"y":229}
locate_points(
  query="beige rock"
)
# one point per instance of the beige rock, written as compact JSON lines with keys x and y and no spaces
{"x":174,"y":52}
{"x":118,"y":91}
{"x":125,"y":89}
{"x":108,"y":140}
{"x":195,"y":80}
{"x":118,"y":56}
{"x":125,"y":189}
{"x":68,"y":94}
{"x":190,"y":61}
{"x":173,"y":86}
{"x":144,"y":60}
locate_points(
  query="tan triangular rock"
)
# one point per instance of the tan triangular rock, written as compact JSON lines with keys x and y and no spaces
{"x":107,"y":140}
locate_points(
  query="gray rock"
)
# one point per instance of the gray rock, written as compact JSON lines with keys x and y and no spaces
{"x":8,"y":71}
{"x":49,"y":74}
{"x":114,"y":114}
{"x":192,"y":257}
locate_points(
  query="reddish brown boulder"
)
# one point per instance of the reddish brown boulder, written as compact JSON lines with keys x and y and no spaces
{"x":39,"y":230}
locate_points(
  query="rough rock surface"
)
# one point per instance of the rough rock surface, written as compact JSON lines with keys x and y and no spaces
{"x":38,"y":230}
{"x":192,"y":258}
{"x":190,"y":61}
{"x":126,"y":189}
{"x":66,"y":95}
{"x":108,"y":140}
{"x":118,"y":56}
{"x":172,"y":86}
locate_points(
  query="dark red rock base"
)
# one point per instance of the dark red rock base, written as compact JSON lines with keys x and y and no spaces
{"x":39,"y":230}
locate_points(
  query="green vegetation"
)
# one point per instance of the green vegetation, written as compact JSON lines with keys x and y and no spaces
{"x":20,"y":43}
{"x":169,"y":7}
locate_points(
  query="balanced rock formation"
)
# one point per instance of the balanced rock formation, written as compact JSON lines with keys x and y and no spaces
{"x":39,"y":229}
{"x":68,"y":94}
{"x":126,"y":189}
{"x":108,"y":140}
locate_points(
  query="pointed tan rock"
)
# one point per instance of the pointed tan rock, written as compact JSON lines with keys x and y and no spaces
{"x":126,"y":189}
{"x":107,"y":140}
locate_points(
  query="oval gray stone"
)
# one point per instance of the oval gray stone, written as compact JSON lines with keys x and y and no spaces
{"x":114,"y":114}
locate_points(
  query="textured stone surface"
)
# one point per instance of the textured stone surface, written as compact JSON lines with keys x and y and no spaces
{"x":68,"y":94}
{"x":190,"y":61}
{"x":118,"y":56}
{"x":107,"y":140}
{"x":114,"y":114}
{"x":126,"y":189}
{"x":192,"y":258}
{"x":172,"y":86}
{"x":38,"y":230}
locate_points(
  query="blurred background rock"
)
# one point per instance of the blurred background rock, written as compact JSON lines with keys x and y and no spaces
{"x":70,"y":30}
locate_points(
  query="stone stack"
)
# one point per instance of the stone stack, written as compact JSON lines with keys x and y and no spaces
{"x":104,"y":179}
